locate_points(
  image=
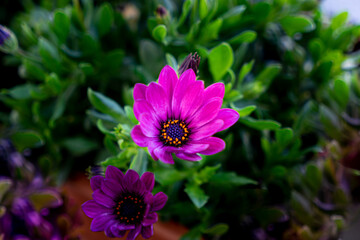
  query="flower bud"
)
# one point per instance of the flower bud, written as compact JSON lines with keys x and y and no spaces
{"x":161,"y":11}
{"x":8,"y":41}
{"x":190,"y":62}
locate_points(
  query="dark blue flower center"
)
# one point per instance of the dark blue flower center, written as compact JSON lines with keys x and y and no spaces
{"x":174,"y":133}
{"x":130,"y":209}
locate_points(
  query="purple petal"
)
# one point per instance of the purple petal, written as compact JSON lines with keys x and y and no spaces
{"x":149,"y":181}
{"x":103,"y":199}
{"x":152,"y":146}
{"x":112,"y":188}
{"x":150,"y":219}
{"x":139,"y":138}
{"x":214,"y":90}
{"x":100,"y":222}
{"x":147,"y":125}
{"x":95,"y":182}
{"x":229,"y":116}
{"x":215,"y":145}
{"x":189,"y":156}
{"x":114,"y":173}
{"x":192,"y":99}
{"x":93,"y":209}
{"x":158,"y":99}
{"x":163,"y":155}
{"x":207,"y":113}
{"x":207,"y":130}
{"x":159,"y":201}
{"x":139,"y":91}
{"x":195,"y":148}
{"x":143,"y":106}
{"x":131,"y":177}
{"x":137,"y":187}
{"x":186,"y":79}
{"x":108,"y":230}
{"x":134,"y":233}
{"x":147,"y":232}
{"x":168,"y":79}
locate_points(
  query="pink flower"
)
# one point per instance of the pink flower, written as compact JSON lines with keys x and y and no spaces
{"x":180,"y":115}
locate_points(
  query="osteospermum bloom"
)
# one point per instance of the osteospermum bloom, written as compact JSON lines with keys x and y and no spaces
{"x":124,"y":202}
{"x":179,"y":115}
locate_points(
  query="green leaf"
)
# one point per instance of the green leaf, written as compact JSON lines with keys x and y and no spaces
{"x":5,"y":185}
{"x":260,"y":124}
{"x":45,"y":199}
{"x":226,"y":178}
{"x":104,"y":19}
{"x":130,"y":114}
{"x":205,"y":174}
{"x":61,"y":25}
{"x":107,"y":106}
{"x":221,"y":59}
{"x":53,"y":82}
{"x":159,"y":33}
{"x":210,"y":31}
{"x":60,"y":104}
{"x":261,"y":11}
{"x":34,"y":70}
{"x":49,"y":55}
{"x":87,"y":68}
{"x":296,"y":24}
{"x":245,"y":69}
{"x":245,"y":111}
{"x":284,"y":136}
{"x":244,"y":37}
{"x":218,"y":229}
{"x":171,"y":60}
{"x":139,"y":162}
{"x":26,"y":139}
{"x":203,"y":9}
{"x":313,"y":177}
{"x":341,"y":92}
{"x":254,"y":89}
{"x":79,"y":146}
{"x":339,"y":20}
{"x":20,"y":91}
{"x":185,"y":11}
{"x":196,"y":194}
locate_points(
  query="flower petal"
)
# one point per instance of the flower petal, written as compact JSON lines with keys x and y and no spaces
{"x":100,"y":222}
{"x":108,"y":231}
{"x":95,"y":182}
{"x":207,"y":130}
{"x":214,"y":90}
{"x":114,"y":173}
{"x":163,"y":155}
{"x":147,"y":232}
{"x":186,"y":79}
{"x":207,"y":113}
{"x":152,"y":146}
{"x":150,"y":219}
{"x":168,"y":79}
{"x":139,"y":91}
{"x":159,"y":201}
{"x":195,"y":148}
{"x":131,"y":177}
{"x":103,"y":199}
{"x":147,"y":125}
{"x":134,"y":233}
{"x":112,"y":188}
{"x":138,"y":137}
{"x":229,"y":116}
{"x":143,"y":106}
{"x":189,"y":156}
{"x":158,"y":99}
{"x":148,"y":179}
{"x":192,"y":99}
{"x":137,"y":187}
{"x":93,"y":209}
{"x":215,"y":145}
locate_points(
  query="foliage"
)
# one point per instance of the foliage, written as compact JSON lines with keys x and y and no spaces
{"x":288,"y":71}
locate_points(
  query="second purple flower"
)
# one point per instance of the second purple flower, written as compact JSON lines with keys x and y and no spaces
{"x":180,"y":115}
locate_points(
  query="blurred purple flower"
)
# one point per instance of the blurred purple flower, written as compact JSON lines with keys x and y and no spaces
{"x":124,"y":202}
{"x":180,"y":116}
{"x":4,"y":34}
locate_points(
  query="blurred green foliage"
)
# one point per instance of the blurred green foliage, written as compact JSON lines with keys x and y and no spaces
{"x":290,"y":72}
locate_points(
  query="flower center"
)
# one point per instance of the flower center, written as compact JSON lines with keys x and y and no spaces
{"x":130,"y":209}
{"x":174,"y":133}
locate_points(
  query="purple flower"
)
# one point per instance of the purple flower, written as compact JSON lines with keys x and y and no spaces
{"x":4,"y":34}
{"x":180,"y":116}
{"x":124,"y":202}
